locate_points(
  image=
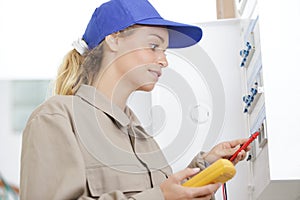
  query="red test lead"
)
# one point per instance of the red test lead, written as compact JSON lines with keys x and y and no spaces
{"x":244,"y":146}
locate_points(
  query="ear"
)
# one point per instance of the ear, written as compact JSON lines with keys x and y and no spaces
{"x":112,"y":42}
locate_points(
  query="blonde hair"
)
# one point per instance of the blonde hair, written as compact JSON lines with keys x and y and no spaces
{"x":78,"y":69}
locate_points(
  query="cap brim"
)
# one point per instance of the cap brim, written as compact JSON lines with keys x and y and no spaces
{"x":180,"y":35}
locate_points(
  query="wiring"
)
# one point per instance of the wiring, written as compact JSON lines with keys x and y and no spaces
{"x":224,"y":191}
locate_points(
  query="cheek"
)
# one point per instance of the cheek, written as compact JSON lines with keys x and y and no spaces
{"x":133,"y":68}
{"x":135,"y":61}
{"x":140,"y":57}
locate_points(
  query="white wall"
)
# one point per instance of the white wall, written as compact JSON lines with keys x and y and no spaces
{"x":280,"y":45}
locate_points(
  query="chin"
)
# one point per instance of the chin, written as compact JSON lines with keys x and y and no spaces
{"x":146,"y":88}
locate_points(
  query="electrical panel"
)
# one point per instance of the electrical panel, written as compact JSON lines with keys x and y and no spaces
{"x":252,"y":72}
{"x":269,"y":177}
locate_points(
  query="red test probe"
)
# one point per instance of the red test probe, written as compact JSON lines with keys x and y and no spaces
{"x":245,"y":145}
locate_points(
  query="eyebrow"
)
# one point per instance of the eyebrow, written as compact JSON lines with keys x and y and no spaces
{"x":162,"y":39}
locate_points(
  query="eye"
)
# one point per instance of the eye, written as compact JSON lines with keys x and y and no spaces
{"x":153,"y":46}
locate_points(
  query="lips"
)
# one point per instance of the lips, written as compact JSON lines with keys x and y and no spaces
{"x":155,"y":73}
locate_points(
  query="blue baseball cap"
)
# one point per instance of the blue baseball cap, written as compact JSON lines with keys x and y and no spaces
{"x":116,"y":15}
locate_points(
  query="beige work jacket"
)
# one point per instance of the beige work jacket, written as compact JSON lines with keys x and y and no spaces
{"x":85,"y":147}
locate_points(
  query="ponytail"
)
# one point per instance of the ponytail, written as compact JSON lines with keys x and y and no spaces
{"x":77,"y":70}
{"x":69,"y":76}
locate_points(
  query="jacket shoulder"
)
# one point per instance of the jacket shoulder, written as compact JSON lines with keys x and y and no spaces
{"x":59,"y":104}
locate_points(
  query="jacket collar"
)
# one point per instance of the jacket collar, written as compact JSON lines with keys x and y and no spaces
{"x":97,"y":99}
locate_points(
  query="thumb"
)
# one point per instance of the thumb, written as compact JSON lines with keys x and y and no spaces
{"x":183,"y":174}
{"x":231,"y":151}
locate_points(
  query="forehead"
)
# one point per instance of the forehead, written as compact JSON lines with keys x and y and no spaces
{"x":155,"y":31}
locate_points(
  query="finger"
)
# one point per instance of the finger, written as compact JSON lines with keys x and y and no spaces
{"x":248,"y":148}
{"x":204,"y":190}
{"x":241,"y":155}
{"x":208,"y":197}
{"x":241,"y":141}
{"x":183,"y":174}
{"x":229,"y":152}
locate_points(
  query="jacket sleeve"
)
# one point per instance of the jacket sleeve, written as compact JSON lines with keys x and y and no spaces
{"x":198,"y":161}
{"x":52,"y":166}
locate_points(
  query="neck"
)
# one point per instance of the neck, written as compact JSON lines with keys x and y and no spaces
{"x":117,"y":91}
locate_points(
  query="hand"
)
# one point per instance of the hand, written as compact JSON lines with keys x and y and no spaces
{"x":226,"y":150}
{"x":173,"y":190}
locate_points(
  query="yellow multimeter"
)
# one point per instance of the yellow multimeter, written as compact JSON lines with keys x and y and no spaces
{"x":219,"y":172}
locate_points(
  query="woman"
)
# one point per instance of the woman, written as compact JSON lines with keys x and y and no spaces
{"x":85,"y":143}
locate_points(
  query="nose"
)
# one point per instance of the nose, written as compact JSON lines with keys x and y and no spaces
{"x":162,"y":60}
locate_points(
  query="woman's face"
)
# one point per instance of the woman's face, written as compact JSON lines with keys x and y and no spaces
{"x":141,"y":56}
